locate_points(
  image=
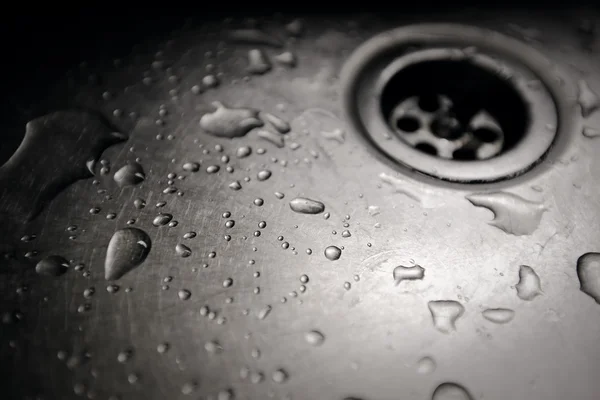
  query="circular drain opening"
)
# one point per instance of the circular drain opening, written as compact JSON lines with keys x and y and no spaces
{"x":460,"y":108}
{"x":458,"y":103}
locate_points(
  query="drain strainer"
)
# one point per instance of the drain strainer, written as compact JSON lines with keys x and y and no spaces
{"x":458,"y":103}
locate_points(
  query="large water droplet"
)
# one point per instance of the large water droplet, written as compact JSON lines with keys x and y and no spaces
{"x":129,"y":175}
{"x":587,"y":99}
{"x":529,"y":285}
{"x":127,"y":249}
{"x":243,"y":151}
{"x":445,"y":313}
{"x":306,"y":206}
{"x":590,"y":132}
{"x":451,"y":391}
{"x":408,"y":273}
{"x":588,"y":272}
{"x":333,"y":253}
{"x":230,"y":122}
{"x":314,"y":338}
{"x":271,"y":137}
{"x":512,"y":214}
{"x":498,"y":315}
{"x":52,"y":266}
{"x":57,"y":150}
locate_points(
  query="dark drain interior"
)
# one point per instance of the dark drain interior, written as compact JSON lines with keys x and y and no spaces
{"x":454,"y":109}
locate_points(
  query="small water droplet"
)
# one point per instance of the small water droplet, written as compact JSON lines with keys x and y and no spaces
{"x":264,"y":312}
{"x":212,"y":169}
{"x":426,"y":365}
{"x":314,"y":338}
{"x":529,"y":285}
{"x":139,"y":203}
{"x":182,"y":250}
{"x":498,"y":315}
{"x":235,"y":185}
{"x":52,"y":266}
{"x":162,"y":219}
{"x":227,"y":282}
{"x":184,"y":294}
{"x":130,"y":175}
{"x":191,"y":167}
{"x":306,"y":206}
{"x":333,"y":253}
{"x":279,"y":376}
{"x":258,"y":63}
{"x":445,"y":313}
{"x":401,"y":273}
{"x":213,"y":347}
{"x":263,"y":175}
{"x":243,"y":151}
{"x":189,"y":235}
{"x":588,"y":272}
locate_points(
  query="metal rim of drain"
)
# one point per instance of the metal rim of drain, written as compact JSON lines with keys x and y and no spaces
{"x":390,"y":74}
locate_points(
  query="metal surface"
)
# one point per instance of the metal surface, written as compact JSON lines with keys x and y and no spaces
{"x":430,"y":289}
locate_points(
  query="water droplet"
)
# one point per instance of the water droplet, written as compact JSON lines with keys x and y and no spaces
{"x":82,"y":136}
{"x":229,"y":223}
{"x":184,"y":294}
{"x":182,"y":250}
{"x":130,"y":175}
{"x":226,"y":394}
{"x":139,"y":203}
{"x":588,"y":272}
{"x":162,"y":348}
{"x":314,"y":338}
{"x":588,"y":100}
{"x":426,"y":365}
{"x":188,"y":388}
{"x":279,"y":376}
{"x":279,"y":195}
{"x":243,"y":151}
{"x":590,"y":132}
{"x":498,"y":315}
{"x":512,"y":214}
{"x":127,"y":249}
{"x":333,"y":253}
{"x":279,"y":124}
{"x":264,"y":312}
{"x":529,"y":285}
{"x":445,"y":313}
{"x":262,"y":224}
{"x":213,"y":347}
{"x":162,"y":219}
{"x":227,"y":282}
{"x":402,"y":273}
{"x":52,"y":266}
{"x":401,"y":186}
{"x":274,"y":138}
{"x":124,"y":356}
{"x":253,"y":36}
{"x":210,"y":81}
{"x":263,"y":175}
{"x":189,"y":235}
{"x":346,"y":234}
{"x":374,"y":210}
{"x":306,"y":206}
{"x":230,"y":122}
{"x":258,"y":63}
{"x":191,"y":167}
{"x":235,"y":185}
{"x":286,"y":58}
{"x":451,"y":391}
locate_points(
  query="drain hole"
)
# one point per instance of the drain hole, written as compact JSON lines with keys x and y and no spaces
{"x":452,"y":94}
{"x":408,"y":124}
{"x":429,"y":103}
{"x":426,"y":148}
{"x":486,"y":135}
{"x":464,"y":154}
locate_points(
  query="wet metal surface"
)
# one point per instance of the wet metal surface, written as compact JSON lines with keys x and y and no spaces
{"x":209,"y":259}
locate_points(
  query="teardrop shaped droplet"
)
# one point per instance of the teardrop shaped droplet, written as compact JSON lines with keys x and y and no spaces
{"x":52,"y":266}
{"x":127,"y":249}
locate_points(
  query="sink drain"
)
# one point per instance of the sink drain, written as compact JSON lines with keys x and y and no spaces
{"x":458,"y":103}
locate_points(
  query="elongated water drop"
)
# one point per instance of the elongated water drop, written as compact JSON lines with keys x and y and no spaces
{"x":304,"y":205}
{"x":52,"y":266}
{"x":408,"y":273}
{"x":588,"y":272}
{"x":499,"y":315}
{"x":230,"y":122}
{"x":451,"y":391}
{"x":127,"y":249}
{"x":529,"y":285}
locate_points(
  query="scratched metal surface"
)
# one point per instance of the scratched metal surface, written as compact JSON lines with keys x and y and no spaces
{"x":375,"y":332}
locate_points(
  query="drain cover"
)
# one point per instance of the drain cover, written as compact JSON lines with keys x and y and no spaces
{"x":454,"y":102}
